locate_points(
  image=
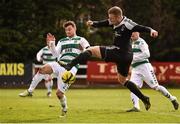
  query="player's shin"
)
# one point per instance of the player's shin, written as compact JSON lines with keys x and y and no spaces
{"x":81,"y":58}
{"x":133,"y":88}
{"x":135,"y":100}
{"x":36,"y":79}
{"x":63,"y":102}
{"x":165,"y":92}
{"x":49,"y":87}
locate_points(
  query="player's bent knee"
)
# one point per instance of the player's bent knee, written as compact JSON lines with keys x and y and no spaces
{"x":45,"y":70}
{"x":41,"y":70}
{"x":121,"y":79}
{"x":95,"y":51}
{"x":59,"y":94}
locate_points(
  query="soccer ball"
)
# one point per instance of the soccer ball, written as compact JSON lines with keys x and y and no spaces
{"x":68,"y":77}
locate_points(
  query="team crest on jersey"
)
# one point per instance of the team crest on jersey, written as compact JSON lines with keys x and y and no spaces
{"x":116,"y":34}
{"x":123,"y":27}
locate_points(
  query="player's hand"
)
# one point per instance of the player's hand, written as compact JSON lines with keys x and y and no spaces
{"x":89,"y":23}
{"x":154,"y":33}
{"x":50,"y":38}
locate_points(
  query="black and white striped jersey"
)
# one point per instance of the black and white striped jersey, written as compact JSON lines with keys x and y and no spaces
{"x":122,"y":32}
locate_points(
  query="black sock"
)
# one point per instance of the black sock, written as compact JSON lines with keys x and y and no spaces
{"x":133,"y":88}
{"x":81,"y":58}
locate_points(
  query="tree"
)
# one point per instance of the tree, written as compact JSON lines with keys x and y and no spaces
{"x":24,"y":24}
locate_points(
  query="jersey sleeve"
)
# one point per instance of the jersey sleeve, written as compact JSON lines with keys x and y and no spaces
{"x":141,"y":28}
{"x":145,"y":54}
{"x":130,"y":24}
{"x":56,"y":50}
{"x":58,"y":47}
{"x":102,"y":23}
{"x":84,"y":43}
{"x":134,"y":27}
{"x":39,"y":55}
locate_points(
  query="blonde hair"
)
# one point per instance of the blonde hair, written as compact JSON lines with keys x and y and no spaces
{"x":115,"y":10}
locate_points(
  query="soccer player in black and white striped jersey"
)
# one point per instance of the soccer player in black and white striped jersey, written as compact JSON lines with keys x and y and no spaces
{"x":121,"y":51}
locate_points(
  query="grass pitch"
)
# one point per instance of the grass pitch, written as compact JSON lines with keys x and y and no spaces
{"x":87,"y":106}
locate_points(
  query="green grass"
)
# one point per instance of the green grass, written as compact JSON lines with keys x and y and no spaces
{"x":85,"y":105}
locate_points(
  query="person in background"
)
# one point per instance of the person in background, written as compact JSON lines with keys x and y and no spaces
{"x":45,"y":56}
{"x":142,"y":70}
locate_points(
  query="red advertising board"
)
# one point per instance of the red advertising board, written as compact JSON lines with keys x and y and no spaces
{"x":101,"y":72}
{"x":167,"y":71}
{"x":107,"y":72}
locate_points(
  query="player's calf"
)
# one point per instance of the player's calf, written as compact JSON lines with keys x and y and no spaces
{"x":133,"y":88}
{"x":168,"y":95}
{"x":63,"y":102}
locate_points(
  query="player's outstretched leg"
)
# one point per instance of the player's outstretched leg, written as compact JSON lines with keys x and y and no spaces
{"x":36,"y":79}
{"x":133,"y":88}
{"x":168,"y":95}
{"x":81,"y":58}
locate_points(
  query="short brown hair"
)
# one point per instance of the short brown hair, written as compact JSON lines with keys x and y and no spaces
{"x":115,"y":10}
{"x":69,"y":23}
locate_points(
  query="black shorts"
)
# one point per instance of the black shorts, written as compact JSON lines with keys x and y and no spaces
{"x":122,"y":59}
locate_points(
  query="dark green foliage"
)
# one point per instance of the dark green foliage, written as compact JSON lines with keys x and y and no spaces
{"x":25,"y":23}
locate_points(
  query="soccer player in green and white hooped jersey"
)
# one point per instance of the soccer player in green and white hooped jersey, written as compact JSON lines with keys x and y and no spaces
{"x":142,"y":70}
{"x":45,"y":56}
{"x":66,"y":50}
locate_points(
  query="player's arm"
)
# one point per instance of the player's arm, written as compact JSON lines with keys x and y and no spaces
{"x":145,"y":54}
{"x":141,"y":28}
{"x":39,"y":55}
{"x":50,"y":39}
{"x":55,"y":50}
{"x":102,"y":23}
{"x":84,"y":43}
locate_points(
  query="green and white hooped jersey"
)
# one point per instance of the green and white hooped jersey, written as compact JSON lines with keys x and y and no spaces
{"x":140,"y":52}
{"x":69,"y":48}
{"x":45,"y":55}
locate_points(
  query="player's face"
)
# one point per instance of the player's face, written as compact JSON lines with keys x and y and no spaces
{"x":70,"y":31}
{"x":114,"y":19}
{"x":134,"y":36}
